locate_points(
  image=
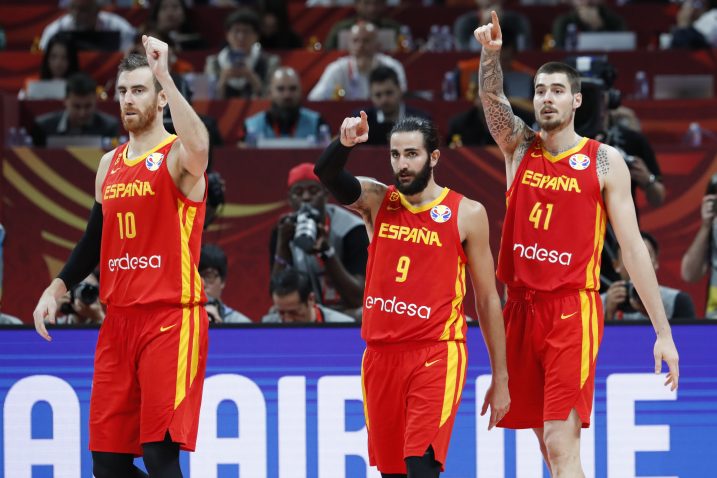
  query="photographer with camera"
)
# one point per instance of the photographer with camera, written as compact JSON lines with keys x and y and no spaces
{"x":622,"y":302}
{"x":701,"y":257}
{"x":324,"y":240}
{"x":213,"y":269}
{"x":81,"y":304}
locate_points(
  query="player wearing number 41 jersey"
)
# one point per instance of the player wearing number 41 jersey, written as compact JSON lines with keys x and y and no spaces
{"x":422,"y":238}
{"x":562,"y":188}
{"x":145,"y":230}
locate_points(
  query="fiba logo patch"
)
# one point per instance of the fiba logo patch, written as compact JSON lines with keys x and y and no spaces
{"x":579,"y":162}
{"x":153,"y":161}
{"x":441,"y":213}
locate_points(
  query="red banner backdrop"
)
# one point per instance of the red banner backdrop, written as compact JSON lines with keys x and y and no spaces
{"x":47,"y":195}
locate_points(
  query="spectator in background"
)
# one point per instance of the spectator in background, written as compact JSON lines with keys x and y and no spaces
{"x":172,"y":18}
{"x":285,"y":118}
{"x":80,"y":116}
{"x":621,"y":301}
{"x":276,"y":31}
{"x":387,"y":105}
{"x":86,"y":15}
{"x":213,"y":269}
{"x":335,"y":256}
{"x":295,"y":302}
{"x":59,"y":61}
{"x":347,"y":77}
{"x":367,"y":11}
{"x":587,"y":16}
{"x":696,"y":25}
{"x":701,"y":257}
{"x":81,"y":305}
{"x":465,"y":24}
{"x":469,"y":128}
{"x":242,"y":68}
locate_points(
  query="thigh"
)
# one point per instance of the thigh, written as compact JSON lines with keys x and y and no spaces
{"x":115,"y":398}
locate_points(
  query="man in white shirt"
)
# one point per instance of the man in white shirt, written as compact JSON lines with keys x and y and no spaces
{"x":86,"y":15}
{"x":347,"y":77}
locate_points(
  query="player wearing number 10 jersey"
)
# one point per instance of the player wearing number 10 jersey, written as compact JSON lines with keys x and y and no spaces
{"x":561,"y":190}
{"x":422,"y":238}
{"x":145,"y":230}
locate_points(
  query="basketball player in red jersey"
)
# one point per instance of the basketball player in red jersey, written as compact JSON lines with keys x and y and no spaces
{"x":145,"y":229}
{"x":422,"y":237}
{"x":562,"y":188}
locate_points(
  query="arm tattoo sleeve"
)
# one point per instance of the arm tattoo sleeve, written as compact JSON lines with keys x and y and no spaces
{"x":503,"y":125}
{"x":603,"y":166}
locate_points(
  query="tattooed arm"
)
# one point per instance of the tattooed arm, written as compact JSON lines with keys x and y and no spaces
{"x":511,"y":133}
{"x":367,"y":205}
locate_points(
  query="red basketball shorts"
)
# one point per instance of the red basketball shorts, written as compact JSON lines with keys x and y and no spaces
{"x":411,"y":396}
{"x":552,"y":341}
{"x":148,"y":377}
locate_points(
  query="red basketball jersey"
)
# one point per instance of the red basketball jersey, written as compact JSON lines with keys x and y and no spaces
{"x":555,"y":221}
{"x":151,"y":234}
{"x":415,"y":276}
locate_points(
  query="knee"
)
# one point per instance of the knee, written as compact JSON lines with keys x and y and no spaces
{"x":556,"y":449}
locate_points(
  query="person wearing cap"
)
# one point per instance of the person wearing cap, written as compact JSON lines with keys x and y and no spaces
{"x":335,"y":257}
{"x":213,"y":269}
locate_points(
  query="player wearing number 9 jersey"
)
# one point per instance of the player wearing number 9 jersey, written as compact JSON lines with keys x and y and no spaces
{"x":145,"y":229}
{"x":422,"y":237}
{"x":562,"y":189}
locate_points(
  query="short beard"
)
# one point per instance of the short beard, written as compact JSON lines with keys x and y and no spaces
{"x":145,"y":121}
{"x":419,"y":183}
{"x":552,"y":125}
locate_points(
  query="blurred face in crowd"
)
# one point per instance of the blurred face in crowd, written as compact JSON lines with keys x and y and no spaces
{"x":292,"y":310}
{"x":410,"y":161}
{"x":554,"y":101}
{"x":140,"y":104}
{"x":370,"y":10}
{"x":241,"y":36}
{"x":170,"y":15}
{"x":363,"y":41}
{"x":285,"y":89}
{"x":80,"y":108}
{"x":386,"y":96}
{"x":308,"y":191}
{"x":84,"y":12}
{"x":213,"y":282}
{"x":58,"y":61}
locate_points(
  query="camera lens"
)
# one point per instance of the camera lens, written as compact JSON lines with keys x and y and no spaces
{"x":87,"y":293}
{"x":306,"y":228}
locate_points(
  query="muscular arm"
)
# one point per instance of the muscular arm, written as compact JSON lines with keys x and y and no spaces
{"x":508,"y":131}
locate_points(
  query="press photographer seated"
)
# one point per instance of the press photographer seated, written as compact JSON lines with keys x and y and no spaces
{"x":326,"y":241}
{"x":622,"y":302}
{"x":81,"y":305}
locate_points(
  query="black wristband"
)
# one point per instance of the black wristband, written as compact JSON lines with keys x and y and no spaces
{"x":86,"y":254}
{"x":345,"y":187}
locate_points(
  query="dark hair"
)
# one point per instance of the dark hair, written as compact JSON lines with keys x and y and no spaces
{"x":73,"y":65}
{"x":213,"y":257}
{"x":132,"y":62}
{"x":651,"y":239}
{"x":243,"y":17}
{"x":291,"y":280}
{"x":423,"y":126}
{"x":80,"y":84}
{"x":382,"y":73}
{"x":185,"y":27}
{"x":559,"y":67}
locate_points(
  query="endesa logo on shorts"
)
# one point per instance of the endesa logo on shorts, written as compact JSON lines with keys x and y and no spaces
{"x":536,"y":253}
{"x":395,"y":306}
{"x":129,"y":263}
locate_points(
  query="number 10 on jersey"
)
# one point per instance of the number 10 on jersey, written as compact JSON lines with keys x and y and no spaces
{"x":127,"y":225}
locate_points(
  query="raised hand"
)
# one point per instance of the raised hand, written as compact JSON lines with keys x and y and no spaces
{"x":157,"y":56}
{"x":354,"y":130}
{"x":489,"y":35}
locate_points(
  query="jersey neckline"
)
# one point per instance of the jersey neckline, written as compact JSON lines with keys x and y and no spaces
{"x":425,"y":207}
{"x":143,"y":156}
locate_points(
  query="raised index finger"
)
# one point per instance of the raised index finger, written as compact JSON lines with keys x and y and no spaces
{"x":496,"y":25}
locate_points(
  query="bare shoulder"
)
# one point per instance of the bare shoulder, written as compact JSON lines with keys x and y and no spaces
{"x":102,"y":168}
{"x":524,"y":142}
{"x":372,"y":193}
{"x":608,"y":162}
{"x":472,"y":217}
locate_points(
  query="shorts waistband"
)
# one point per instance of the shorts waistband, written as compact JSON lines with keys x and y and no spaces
{"x":520,"y":294}
{"x":401,"y":346}
{"x":147,"y":307}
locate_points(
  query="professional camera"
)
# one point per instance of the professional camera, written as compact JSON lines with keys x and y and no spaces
{"x":631,"y":294}
{"x":307,"y":223}
{"x":85,"y":292}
